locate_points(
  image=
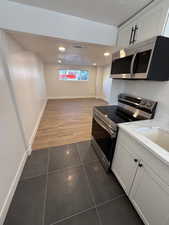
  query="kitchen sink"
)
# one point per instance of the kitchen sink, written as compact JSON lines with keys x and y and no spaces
{"x":157,"y":135}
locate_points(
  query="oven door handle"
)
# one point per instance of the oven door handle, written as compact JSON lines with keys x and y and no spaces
{"x":111,"y":132}
{"x":132,"y":65}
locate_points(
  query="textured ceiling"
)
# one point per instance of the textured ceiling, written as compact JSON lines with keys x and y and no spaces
{"x":47,"y":49}
{"x":103,"y":11}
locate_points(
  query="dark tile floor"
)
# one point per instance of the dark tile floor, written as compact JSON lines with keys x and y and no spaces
{"x":68,"y":186}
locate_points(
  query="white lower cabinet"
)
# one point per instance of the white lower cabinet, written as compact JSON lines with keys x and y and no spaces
{"x":150,"y":196}
{"x":124,"y":167}
{"x":147,"y":191}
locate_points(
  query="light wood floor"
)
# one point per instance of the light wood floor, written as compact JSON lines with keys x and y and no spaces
{"x":65,"y":122}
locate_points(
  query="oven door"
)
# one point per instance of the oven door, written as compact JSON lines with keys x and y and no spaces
{"x":104,"y":137}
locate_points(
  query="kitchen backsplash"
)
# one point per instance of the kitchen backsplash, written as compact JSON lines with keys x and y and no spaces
{"x":158,"y":91}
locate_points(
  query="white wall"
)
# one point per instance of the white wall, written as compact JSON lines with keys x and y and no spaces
{"x":27,"y":77}
{"x":13,"y":150}
{"x":111,"y":88}
{"x":69,"y":89}
{"x":158,"y":91}
{"x":19,"y":17}
{"x":99,"y":82}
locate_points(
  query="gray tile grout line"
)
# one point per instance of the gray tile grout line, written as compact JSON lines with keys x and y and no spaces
{"x":58,"y":170}
{"x":111,"y":200}
{"x":93,"y":198}
{"x":39,"y":175}
{"x":75,"y":214}
{"x":50,"y":172}
{"x":86,"y":210}
{"x":65,"y":168}
{"x":99,"y":218}
{"x":83,"y":211}
{"x":45,"y":194}
{"x":32,"y":177}
{"x":94,"y":160}
{"x":90,"y":190}
{"x":70,"y":167}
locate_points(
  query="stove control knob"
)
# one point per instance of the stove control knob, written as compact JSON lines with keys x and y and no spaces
{"x":149,"y":104}
{"x":143,"y":102}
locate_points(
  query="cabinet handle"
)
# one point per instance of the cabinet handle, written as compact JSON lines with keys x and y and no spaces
{"x":135,"y":160}
{"x":131,"y":36}
{"x":140,"y":165}
{"x":135,"y":30}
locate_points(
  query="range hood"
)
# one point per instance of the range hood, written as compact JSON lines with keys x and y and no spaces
{"x":148,"y":60}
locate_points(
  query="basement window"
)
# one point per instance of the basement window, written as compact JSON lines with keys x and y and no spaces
{"x":74,"y":75}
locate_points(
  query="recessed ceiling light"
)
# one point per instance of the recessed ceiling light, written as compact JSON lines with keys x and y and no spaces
{"x":62,"y":49}
{"x":106,"y":53}
{"x":94,"y":64}
{"x":59,"y":61}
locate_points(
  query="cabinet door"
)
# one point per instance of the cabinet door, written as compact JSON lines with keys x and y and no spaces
{"x":124,"y":167}
{"x":124,"y":36}
{"x":151,"y":23}
{"x":150,"y":196}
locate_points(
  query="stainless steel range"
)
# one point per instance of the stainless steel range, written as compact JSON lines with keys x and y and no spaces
{"x":106,"y":120}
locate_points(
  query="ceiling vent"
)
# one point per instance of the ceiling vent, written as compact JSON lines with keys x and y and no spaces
{"x":79,"y":46}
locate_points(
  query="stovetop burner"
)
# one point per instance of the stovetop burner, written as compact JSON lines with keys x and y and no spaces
{"x":113,"y":113}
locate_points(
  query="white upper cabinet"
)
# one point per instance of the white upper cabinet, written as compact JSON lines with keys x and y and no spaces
{"x":147,"y":24}
{"x":151,"y":23}
{"x":125,"y":36}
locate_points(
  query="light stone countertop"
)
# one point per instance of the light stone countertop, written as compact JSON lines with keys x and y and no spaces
{"x":132,"y":129}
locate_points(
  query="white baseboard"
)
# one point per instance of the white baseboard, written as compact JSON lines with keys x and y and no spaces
{"x":12,"y":189}
{"x":102,"y":98}
{"x":70,"y":97}
{"x":36,"y":128}
{"x":29,"y":150}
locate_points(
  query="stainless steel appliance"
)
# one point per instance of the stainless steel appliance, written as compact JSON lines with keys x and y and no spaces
{"x":106,"y":120}
{"x":148,"y":60}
